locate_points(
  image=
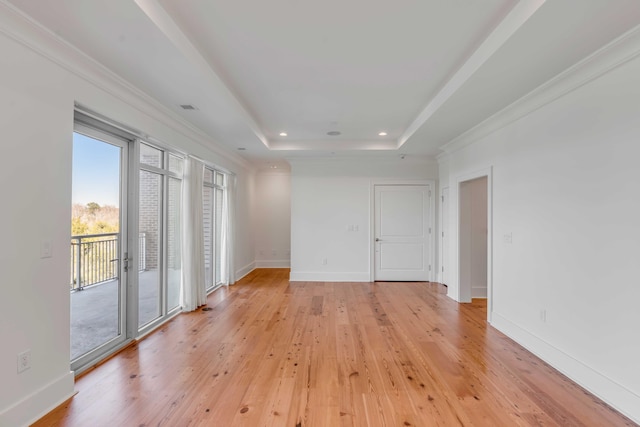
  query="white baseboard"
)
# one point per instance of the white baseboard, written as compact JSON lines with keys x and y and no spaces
{"x":478,"y":292}
{"x":40,"y":403}
{"x":305,"y":276}
{"x":245,"y":270}
{"x":616,"y":395}
{"x":279,"y":263}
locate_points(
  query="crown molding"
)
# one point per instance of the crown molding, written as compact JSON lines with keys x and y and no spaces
{"x":273,"y":172}
{"x":20,"y":27}
{"x":608,"y":58}
{"x":334,"y":145}
{"x":442,"y":157}
{"x":167,"y":25}
{"x":518,"y":16}
{"x":395,"y":158}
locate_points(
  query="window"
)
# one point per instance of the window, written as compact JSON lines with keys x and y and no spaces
{"x":159,"y":222}
{"x":213,"y":195}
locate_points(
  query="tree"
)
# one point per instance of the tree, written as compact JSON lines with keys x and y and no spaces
{"x":93,"y":207}
{"x":78,"y":227}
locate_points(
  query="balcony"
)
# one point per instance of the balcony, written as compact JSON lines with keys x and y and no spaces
{"x":94,"y":290}
{"x":95,"y":258}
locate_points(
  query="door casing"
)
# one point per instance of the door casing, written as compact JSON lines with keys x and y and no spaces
{"x":454,"y":290}
{"x":443,"y":236}
{"x":431,"y":223}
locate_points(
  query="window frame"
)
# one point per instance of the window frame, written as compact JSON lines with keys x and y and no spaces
{"x":166,"y":174}
{"x":214,"y":256}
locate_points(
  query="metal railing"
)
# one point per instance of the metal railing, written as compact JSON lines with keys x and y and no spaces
{"x":95,"y":258}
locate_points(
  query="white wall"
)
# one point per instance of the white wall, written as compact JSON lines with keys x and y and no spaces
{"x":244,"y":228}
{"x":272,"y":219}
{"x":37,"y":99}
{"x":328,"y":196}
{"x":565,"y":184}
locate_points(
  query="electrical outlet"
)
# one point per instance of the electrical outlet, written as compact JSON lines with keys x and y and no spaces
{"x":24,"y":361}
{"x":324,"y":261}
{"x":508,"y":238}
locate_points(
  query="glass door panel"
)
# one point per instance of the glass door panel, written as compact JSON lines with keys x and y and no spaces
{"x":149,"y":223}
{"x":208,"y":223}
{"x":174,"y":246}
{"x":218,"y":234}
{"x":98,"y":242}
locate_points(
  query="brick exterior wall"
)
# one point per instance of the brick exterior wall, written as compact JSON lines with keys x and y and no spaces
{"x":149,"y":219}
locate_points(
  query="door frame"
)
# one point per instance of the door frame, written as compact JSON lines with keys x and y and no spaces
{"x":456,"y":291}
{"x":372,"y":219}
{"x":124,"y":241}
{"x":441,"y":231}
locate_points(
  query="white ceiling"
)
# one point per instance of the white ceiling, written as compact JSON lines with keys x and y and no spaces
{"x":424,"y":71}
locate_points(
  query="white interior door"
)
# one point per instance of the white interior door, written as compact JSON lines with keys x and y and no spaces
{"x":402,"y":232}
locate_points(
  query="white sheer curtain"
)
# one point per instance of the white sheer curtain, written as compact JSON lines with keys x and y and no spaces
{"x":193,"y":281}
{"x":228,"y":232}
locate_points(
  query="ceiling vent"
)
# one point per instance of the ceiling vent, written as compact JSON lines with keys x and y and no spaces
{"x":188,"y":107}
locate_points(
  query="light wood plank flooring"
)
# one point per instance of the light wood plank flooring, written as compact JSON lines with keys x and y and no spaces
{"x":274,"y":353}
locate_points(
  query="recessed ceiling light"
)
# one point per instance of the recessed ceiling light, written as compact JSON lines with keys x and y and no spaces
{"x":334,"y":133}
{"x":241,"y":148}
{"x":382,"y":134}
{"x":283,"y":134}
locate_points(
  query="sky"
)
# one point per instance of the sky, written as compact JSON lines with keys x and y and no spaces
{"x":96,"y":171}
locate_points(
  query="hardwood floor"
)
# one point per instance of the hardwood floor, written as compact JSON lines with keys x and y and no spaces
{"x":274,"y":353}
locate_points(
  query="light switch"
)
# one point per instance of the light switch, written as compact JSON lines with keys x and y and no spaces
{"x":46,"y":249}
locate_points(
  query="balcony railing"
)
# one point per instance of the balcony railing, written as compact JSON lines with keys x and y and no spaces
{"x":95,"y":258}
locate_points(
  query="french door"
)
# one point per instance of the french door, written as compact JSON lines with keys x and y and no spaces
{"x":126,"y":252}
{"x":99,"y":254}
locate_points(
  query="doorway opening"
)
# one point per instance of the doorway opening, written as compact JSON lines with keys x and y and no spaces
{"x":474,"y":240}
{"x":473,"y":236}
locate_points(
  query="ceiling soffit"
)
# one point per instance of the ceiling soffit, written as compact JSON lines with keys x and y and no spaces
{"x":314,"y":104}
